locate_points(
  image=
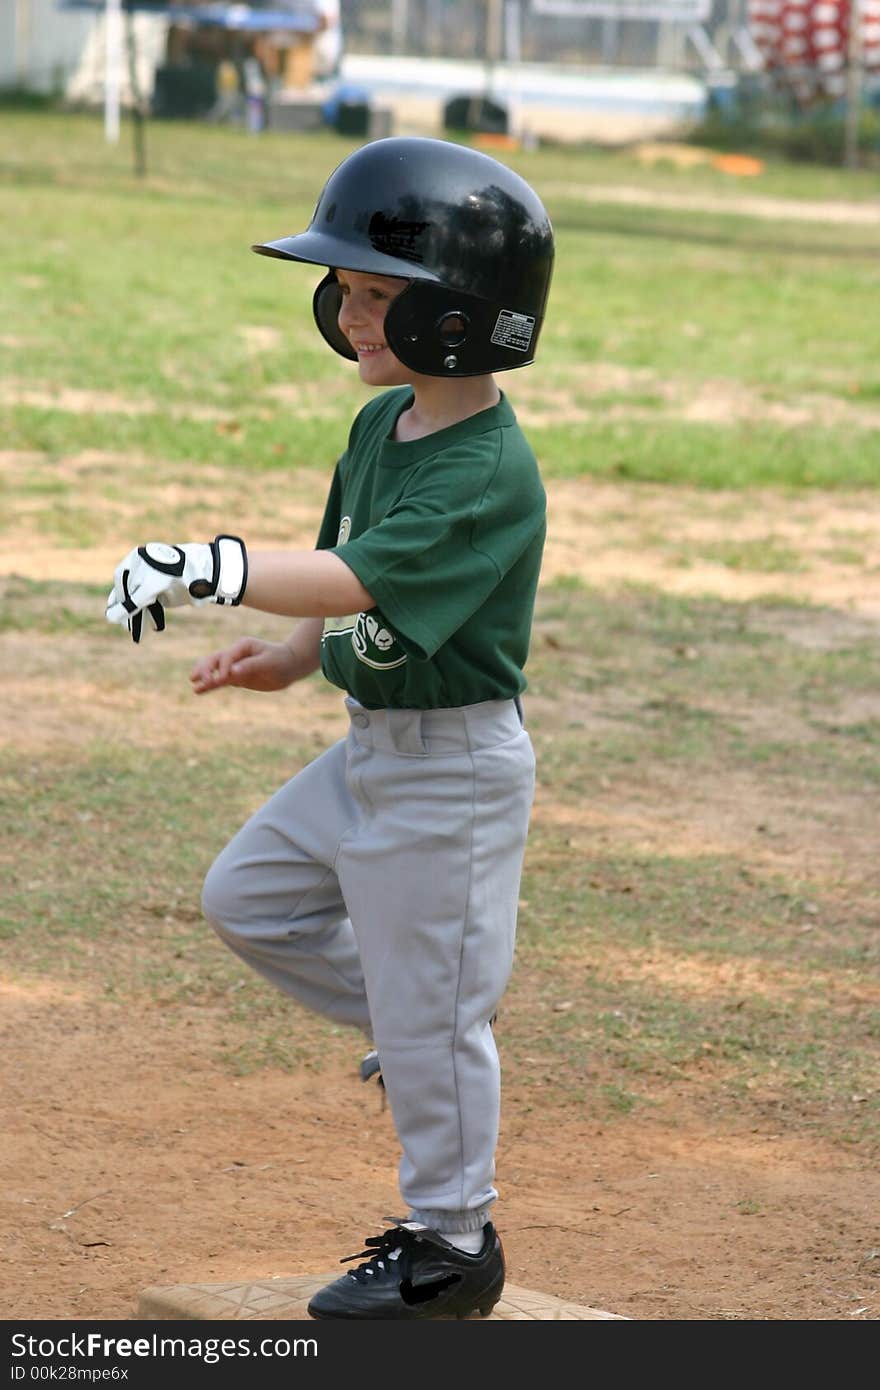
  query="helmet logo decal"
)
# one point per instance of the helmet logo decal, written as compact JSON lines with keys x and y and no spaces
{"x":393,"y":237}
{"x":513,"y":330}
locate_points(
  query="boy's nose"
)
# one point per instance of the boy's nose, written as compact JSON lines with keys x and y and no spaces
{"x":348,"y":313}
{"x":351,"y":306}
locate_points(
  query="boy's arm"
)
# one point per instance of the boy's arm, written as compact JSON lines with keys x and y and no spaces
{"x":305,"y":647}
{"x":295,"y":583}
{"x":254,"y":664}
{"x":304,"y":583}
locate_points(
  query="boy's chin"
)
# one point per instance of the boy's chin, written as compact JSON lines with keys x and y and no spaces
{"x":382,"y":372}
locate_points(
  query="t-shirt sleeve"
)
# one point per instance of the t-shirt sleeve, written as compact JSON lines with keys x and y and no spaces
{"x":442,"y":549}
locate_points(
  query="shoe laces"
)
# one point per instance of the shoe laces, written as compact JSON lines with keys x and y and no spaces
{"x":388,"y":1246}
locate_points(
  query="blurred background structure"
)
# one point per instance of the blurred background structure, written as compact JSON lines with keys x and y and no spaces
{"x":602,"y":71}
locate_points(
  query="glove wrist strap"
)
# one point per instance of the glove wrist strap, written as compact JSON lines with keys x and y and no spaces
{"x":229,"y":580}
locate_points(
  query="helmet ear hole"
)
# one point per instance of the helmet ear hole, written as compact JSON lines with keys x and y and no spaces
{"x":452,"y":328}
{"x":325,"y":307}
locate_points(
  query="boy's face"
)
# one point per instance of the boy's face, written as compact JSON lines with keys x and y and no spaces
{"x":365,"y":302}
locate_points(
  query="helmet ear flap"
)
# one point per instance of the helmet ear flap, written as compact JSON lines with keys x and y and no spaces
{"x":437,"y":331}
{"x":326,"y":302}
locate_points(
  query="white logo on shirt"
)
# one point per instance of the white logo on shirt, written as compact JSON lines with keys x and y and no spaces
{"x":374,"y":645}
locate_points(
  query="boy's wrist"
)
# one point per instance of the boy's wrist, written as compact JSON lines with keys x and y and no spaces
{"x":302,"y":661}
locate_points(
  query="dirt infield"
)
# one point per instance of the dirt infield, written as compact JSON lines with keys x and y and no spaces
{"x":133,"y":1157}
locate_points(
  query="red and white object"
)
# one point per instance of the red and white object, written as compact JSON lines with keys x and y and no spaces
{"x":764,"y":20}
{"x":809,"y":40}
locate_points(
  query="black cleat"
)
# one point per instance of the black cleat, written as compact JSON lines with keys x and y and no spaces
{"x":371,"y":1066}
{"x":411,"y":1272}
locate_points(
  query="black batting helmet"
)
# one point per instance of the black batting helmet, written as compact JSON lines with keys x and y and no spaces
{"x":471,"y":237}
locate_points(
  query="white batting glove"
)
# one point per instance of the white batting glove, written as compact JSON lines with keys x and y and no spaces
{"x":155,"y":576}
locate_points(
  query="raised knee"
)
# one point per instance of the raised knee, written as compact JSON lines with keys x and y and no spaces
{"x":217,"y":899}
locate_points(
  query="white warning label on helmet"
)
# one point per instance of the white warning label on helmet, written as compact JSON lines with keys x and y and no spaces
{"x":513,"y":330}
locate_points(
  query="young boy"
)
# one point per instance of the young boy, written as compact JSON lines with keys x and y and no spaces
{"x":380,"y":885}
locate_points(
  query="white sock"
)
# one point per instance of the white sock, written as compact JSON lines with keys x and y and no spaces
{"x":471,"y":1242}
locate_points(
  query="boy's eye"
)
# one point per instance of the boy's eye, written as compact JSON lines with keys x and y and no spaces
{"x":377,"y":293}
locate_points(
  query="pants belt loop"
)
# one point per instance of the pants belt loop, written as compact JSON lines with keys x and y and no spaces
{"x":405,"y":727}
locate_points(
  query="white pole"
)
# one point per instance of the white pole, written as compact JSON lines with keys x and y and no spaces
{"x":399,"y":25}
{"x":494,"y":31}
{"x":112,"y":68}
{"x":513,"y":31}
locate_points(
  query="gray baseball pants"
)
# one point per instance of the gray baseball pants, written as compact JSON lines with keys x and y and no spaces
{"x":379,"y":887}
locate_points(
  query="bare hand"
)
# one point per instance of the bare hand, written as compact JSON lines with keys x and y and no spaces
{"x":250,"y":663}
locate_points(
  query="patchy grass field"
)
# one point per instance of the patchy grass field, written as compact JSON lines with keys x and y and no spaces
{"x":692,"y":1033}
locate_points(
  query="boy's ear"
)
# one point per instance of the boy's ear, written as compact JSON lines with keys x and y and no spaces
{"x":326,"y":302}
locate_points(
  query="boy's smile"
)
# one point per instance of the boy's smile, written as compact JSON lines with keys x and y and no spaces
{"x":365,"y":302}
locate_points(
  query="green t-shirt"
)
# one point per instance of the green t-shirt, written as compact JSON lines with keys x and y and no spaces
{"x":447,"y":534}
